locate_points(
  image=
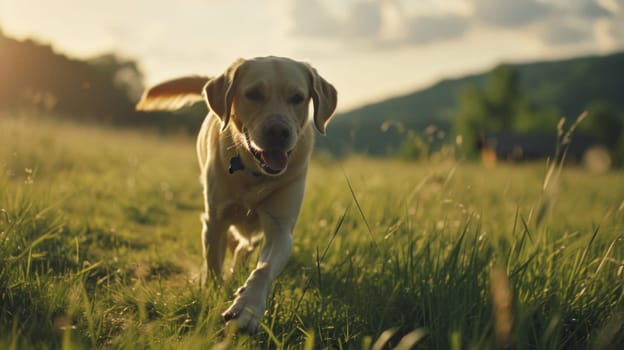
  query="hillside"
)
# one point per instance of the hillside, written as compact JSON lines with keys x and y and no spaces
{"x":569,"y":86}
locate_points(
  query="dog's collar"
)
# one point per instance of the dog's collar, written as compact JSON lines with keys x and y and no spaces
{"x":236,"y":164}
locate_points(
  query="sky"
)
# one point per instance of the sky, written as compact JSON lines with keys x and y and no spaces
{"x":369,"y":49}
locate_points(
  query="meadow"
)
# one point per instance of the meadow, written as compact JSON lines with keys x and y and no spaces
{"x":100,"y":248}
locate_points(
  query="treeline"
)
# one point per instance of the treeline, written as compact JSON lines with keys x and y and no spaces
{"x":498,"y":121}
{"x":501,"y":108}
{"x":506,"y":103}
{"x":103,"y":90}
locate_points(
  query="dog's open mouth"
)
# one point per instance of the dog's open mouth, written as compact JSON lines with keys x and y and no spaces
{"x":272,"y":162}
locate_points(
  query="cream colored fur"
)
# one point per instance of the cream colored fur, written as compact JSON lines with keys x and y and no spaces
{"x":259,"y":114}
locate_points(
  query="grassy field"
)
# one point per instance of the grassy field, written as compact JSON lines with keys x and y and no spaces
{"x":100,"y":248}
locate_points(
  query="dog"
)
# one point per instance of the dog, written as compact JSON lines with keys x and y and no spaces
{"x":253,"y":149}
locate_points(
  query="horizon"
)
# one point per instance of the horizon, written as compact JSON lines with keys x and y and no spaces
{"x":370,"y":50}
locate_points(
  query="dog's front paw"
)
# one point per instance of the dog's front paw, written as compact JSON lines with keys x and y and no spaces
{"x":245,"y":312}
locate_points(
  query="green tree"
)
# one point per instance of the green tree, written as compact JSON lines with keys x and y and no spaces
{"x":502,"y":95}
{"x":499,"y":106}
{"x":604,"y":124}
{"x":490,"y":109}
{"x":618,"y":150}
{"x":125,"y":73}
{"x":471,"y":121}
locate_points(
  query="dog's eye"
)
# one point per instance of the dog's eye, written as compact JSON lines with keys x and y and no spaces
{"x":295,"y":99}
{"x":254,"y":95}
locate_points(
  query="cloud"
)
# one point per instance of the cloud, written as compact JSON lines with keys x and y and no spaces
{"x":376,"y":23}
{"x":589,"y":9}
{"x":365,"y":20}
{"x":555,"y":22}
{"x":311,"y":19}
{"x":510,"y":13}
{"x":515,"y":13}
{"x":565,"y":33}
{"x":610,"y":34}
{"x":575,"y":22}
{"x":616,"y":31}
{"x":424,"y":29}
{"x":519,"y":13}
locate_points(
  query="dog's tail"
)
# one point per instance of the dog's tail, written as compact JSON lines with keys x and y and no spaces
{"x":173,"y":94}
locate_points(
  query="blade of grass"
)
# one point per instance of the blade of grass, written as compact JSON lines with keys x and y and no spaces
{"x":359,"y":207}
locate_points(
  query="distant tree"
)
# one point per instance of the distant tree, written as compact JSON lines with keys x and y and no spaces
{"x":618,"y":151}
{"x":104,"y":89}
{"x":503,"y":97}
{"x":125,"y":73}
{"x":34,"y":76}
{"x":496,"y":108}
{"x":604,"y":124}
{"x":471,"y":121}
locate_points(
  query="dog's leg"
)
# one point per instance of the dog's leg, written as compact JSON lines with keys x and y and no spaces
{"x":214,"y":242}
{"x":238,"y":243}
{"x":247,"y":309}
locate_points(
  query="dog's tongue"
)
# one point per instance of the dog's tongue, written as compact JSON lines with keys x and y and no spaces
{"x":275,"y":160}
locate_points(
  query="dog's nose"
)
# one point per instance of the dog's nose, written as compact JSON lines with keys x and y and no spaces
{"x":277,"y":133}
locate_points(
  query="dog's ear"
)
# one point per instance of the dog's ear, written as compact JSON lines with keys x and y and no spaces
{"x":172,"y":94}
{"x":324,"y":98}
{"x":219,"y":92}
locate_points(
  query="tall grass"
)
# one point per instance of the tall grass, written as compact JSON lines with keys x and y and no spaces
{"x":99,"y":235}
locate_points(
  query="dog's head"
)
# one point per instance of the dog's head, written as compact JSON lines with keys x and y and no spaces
{"x":264,"y":101}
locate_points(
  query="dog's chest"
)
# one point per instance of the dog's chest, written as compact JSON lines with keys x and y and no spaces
{"x":241,"y":200}
{"x":239,"y":215}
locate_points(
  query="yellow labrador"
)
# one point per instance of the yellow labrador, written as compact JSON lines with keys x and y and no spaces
{"x":253,"y":150}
